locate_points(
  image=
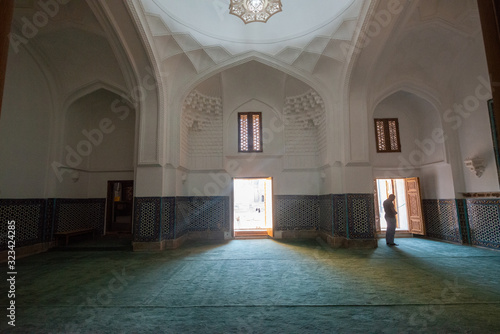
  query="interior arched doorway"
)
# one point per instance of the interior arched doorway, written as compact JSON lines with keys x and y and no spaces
{"x":407,"y":151}
{"x":98,"y":155}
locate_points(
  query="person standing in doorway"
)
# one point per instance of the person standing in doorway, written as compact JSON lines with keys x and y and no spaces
{"x":390,"y":218}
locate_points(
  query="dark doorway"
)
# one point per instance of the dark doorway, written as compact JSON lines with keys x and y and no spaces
{"x":120,"y":202}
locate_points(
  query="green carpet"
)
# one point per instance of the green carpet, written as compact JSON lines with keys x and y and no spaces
{"x":261,"y":286}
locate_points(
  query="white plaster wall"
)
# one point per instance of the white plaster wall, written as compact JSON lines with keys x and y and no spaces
{"x":205,"y":144}
{"x":252,"y":87}
{"x":78,"y":57}
{"x":290,"y":152}
{"x":296,"y":182}
{"x":116,"y":152}
{"x":24,"y":129}
{"x":358,"y":179}
{"x":214,"y":183}
{"x":219,"y":183}
{"x":420,"y":132}
{"x":468,"y":118}
{"x":148,"y":181}
{"x":436,"y":182}
{"x":184,"y":146}
{"x":395,"y":106}
{"x":102,"y":146}
{"x":332,"y":180}
{"x":272,"y":129}
{"x":169,"y":184}
{"x":425,"y":54}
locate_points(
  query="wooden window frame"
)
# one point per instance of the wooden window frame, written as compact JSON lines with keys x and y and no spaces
{"x":250,"y":132}
{"x":387,"y":135}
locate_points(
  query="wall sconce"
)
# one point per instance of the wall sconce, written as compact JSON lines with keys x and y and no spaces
{"x":184,"y":177}
{"x":475,"y":165}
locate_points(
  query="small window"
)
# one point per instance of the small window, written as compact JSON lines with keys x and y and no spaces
{"x":387,"y":135}
{"x":249,"y":132}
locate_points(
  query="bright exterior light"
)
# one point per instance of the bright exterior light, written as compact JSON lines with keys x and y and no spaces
{"x":254,"y":10}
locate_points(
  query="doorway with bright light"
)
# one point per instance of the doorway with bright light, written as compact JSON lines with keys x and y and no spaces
{"x":407,"y":203}
{"x":253,"y":207}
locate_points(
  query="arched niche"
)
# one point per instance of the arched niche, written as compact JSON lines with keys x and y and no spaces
{"x":100,"y":128}
{"x":272,"y":128}
{"x":294,"y":118}
{"x":420,"y":129}
{"x":98,"y":142}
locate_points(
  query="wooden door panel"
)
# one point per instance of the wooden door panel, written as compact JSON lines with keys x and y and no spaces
{"x":268,"y":200}
{"x":377,"y":212}
{"x":414,"y":206}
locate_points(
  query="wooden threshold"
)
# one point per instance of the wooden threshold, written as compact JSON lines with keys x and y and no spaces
{"x":251,"y":234}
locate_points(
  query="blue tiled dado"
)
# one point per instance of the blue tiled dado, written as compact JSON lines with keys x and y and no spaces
{"x":441,"y":220}
{"x":166,"y":218}
{"x":29,"y":218}
{"x":202,"y":213}
{"x":361,"y":216}
{"x":467,"y":221}
{"x":351,"y":216}
{"x":38,"y":219}
{"x":72,"y":214}
{"x":484,"y":222}
{"x":326,"y":214}
{"x":340,"y":214}
{"x":296,"y":212}
{"x":147,"y":218}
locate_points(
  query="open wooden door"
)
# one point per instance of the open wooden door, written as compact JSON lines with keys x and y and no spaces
{"x":377,"y":212}
{"x":268,"y":202}
{"x":414,"y":206}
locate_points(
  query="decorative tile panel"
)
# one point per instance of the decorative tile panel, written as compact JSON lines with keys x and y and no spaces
{"x":29,"y":215}
{"x":49,"y":220}
{"x":183,"y":208}
{"x":326,"y":214}
{"x":361,"y":214}
{"x":463,"y":220}
{"x":72,"y":214}
{"x":168,"y":218}
{"x":147,"y":219}
{"x":339,"y":216}
{"x":484,"y":222}
{"x":202,"y":213}
{"x":441,"y":219}
{"x":296,"y":212}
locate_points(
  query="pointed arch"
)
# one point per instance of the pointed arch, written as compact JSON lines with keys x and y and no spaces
{"x":93,"y":87}
{"x":407,"y":86}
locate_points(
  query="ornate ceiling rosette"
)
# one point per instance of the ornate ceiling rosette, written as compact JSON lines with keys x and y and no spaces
{"x":255,"y":10}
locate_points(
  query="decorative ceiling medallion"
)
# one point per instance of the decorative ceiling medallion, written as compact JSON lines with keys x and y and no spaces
{"x":254,"y":10}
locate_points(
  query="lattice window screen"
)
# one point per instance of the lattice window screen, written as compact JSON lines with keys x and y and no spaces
{"x":387,"y":135}
{"x":250,"y":132}
{"x":243,"y":133}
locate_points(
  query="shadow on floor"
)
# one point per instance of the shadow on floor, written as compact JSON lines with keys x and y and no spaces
{"x":109,"y":242}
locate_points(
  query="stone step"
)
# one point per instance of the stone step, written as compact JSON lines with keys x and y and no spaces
{"x":250,"y":234}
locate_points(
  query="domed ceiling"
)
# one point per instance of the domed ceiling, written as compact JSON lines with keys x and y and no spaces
{"x":210,"y":23}
{"x":304,"y":34}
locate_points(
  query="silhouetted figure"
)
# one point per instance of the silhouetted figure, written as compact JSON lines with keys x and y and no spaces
{"x":390,"y":218}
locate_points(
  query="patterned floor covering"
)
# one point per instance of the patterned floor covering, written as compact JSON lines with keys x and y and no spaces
{"x":260,"y":286}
